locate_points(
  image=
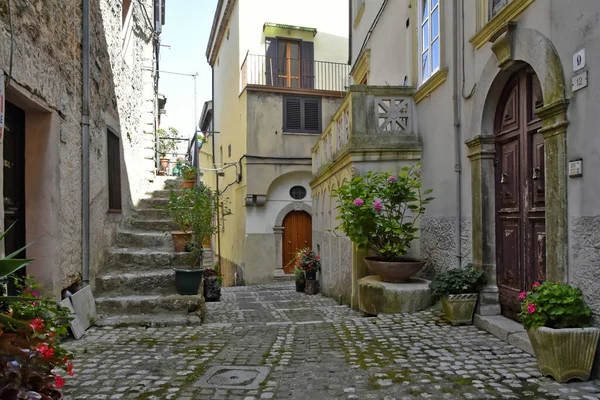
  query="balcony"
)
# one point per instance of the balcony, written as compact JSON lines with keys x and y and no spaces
{"x":372,"y":124}
{"x":291,"y":73}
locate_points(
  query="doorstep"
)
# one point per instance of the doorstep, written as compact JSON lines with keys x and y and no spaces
{"x":506,"y":329}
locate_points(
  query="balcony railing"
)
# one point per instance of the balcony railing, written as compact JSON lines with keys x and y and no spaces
{"x":294,"y":73}
{"x":371,"y":119}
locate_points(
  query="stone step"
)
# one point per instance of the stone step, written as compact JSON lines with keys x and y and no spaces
{"x":149,"y":304}
{"x":173,"y":183}
{"x":139,"y":282}
{"x":161,"y":225}
{"x":140,"y":259}
{"x":148,"y":239}
{"x":151,"y":213}
{"x":166,"y":193}
{"x":149,"y":320}
{"x":154,"y":202}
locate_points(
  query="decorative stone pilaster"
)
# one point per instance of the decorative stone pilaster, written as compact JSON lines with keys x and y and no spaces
{"x":278,"y":231}
{"x":482,"y":152}
{"x":554,"y":129}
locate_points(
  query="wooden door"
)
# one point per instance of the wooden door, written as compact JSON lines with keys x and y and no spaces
{"x":14,"y":182}
{"x":520,"y":191}
{"x":297,"y":234}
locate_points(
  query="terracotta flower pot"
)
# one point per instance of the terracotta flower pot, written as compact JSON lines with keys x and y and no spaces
{"x":564,"y":354}
{"x":459,"y":308}
{"x":188,"y":183}
{"x":164,"y":163}
{"x":395,"y":271}
{"x":180,"y":239}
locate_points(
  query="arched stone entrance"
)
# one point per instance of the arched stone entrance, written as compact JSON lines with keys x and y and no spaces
{"x":515,"y":48}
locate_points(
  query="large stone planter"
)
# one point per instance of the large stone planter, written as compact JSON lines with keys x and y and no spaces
{"x":564,"y":354}
{"x":395,"y":271}
{"x":459,"y":308}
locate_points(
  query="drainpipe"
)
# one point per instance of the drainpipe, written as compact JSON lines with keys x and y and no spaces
{"x":85,"y":144}
{"x":215,"y":167}
{"x":457,"y":132}
{"x":350,"y":32}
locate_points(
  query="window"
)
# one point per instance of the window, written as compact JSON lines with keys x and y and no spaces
{"x":114,"y":172}
{"x":429,"y":38}
{"x":302,"y":114}
{"x":297,"y":192}
{"x":289,"y":63}
{"x":125,"y":6}
{"x":357,"y":11}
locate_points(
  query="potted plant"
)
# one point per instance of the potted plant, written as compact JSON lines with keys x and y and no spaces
{"x":212,"y":284}
{"x":180,"y":208}
{"x":167,"y":143}
{"x":458,"y":288}
{"x":189,"y":174}
{"x":300,"y":279}
{"x":202,"y":205}
{"x":378,"y":212}
{"x":309,"y":263}
{"x":557,"y":321}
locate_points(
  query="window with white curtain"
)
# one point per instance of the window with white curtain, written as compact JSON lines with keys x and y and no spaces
{"x":429,"y":38}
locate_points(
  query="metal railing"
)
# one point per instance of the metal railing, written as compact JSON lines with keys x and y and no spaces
{"x":294,"y":73}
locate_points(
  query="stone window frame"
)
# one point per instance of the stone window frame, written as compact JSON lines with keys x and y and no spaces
{"x":489,"y":24}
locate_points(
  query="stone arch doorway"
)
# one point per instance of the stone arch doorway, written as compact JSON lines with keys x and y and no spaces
{"x":519,"y":190}
{"x":297,"y":234}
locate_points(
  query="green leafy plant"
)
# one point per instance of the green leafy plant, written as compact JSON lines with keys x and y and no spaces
{"x":378,"y":211}
{"x":307,"y":260}
{"x":166,"y":140}
{"x":299,"y":274}
{"x":188,"y":172}
{"x":467,"y":279}
{"x":554,"y":305}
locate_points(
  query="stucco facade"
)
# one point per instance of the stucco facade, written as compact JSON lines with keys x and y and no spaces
{"x":479,"y":55}
{"x":46,"y":83}
{"x":258,"y":160}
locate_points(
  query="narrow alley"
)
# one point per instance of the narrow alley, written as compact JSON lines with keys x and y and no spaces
{"x":268,"y":341}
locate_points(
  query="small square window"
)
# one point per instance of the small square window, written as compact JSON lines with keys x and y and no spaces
{"x":302,"y":114}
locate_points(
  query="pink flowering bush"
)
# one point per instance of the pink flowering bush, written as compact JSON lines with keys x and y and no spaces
{"x":378,"y":211}
{"x":553,"y":305}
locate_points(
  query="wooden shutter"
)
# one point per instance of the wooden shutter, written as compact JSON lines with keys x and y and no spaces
{"x":292,"y":114}
{"x":271,"y":61}
{"x":308,"y":70}
{"x":114,"y":172}
{"x":312,"y":115}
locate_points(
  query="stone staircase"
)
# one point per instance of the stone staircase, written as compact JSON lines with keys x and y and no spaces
{"x":137,"y":287}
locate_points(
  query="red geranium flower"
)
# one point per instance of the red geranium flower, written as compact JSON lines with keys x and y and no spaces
{"x":70,"y":369}
{"x":37,"y":324}
{"x":45,"y":351}
{"x":59,"y":381}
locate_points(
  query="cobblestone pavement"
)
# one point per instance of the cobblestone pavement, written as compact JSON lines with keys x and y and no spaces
{"x":269,"y":342}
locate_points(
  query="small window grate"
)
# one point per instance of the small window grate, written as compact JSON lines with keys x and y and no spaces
{"x":297,"y":192}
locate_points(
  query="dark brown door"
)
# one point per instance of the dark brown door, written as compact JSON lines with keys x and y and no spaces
{"x":520,"y":191}
{"x":14,"y":181}
{"x":297,"y":234}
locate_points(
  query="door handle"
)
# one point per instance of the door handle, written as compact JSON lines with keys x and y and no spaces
{"x":504,"y":178}
{"x":289,"y":242}
{"x":536,"y":173}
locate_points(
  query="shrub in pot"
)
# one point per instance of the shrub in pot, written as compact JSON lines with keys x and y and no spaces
{"x":180,"y":208}
{"x":378,"y":212}
{"x":212,"y":284}
{"x":307,"y":261}
{"x":300,"y":279}
{"x":557,"y":321}
{"x":189,"y":174}
{"x":458,"y":290}
{"x":166,"y":144}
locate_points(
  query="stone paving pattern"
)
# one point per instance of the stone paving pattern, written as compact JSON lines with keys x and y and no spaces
{"x":306,"y":347}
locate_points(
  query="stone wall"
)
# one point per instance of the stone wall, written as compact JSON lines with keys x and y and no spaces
{"x":47,"y":84}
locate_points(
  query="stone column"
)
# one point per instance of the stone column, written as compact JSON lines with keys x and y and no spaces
{"x":554,"y":129}
{"x":482,"y":153}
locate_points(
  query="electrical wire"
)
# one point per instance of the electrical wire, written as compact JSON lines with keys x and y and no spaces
{"x":12,"y":42}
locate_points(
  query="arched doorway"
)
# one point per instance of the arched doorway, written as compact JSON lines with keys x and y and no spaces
{"x":520,"y":190}
{"x":297,"y":234}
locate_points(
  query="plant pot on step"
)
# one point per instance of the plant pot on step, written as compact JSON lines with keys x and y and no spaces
{"x":212,"y":288}
{"x":564,"y":354}
{"x":188,"y":183}
{"x":164,"y":164}
{"x":187,"y":281}
{"x":300,"y":285}
{"x":180,"y":239}
{"x":459,"y":308}
{"x":398,"y":271}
